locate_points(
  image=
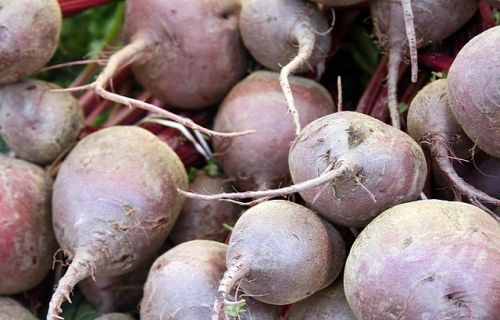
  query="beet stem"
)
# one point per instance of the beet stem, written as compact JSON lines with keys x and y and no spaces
{"x":306,"y":40}
{"x":392,"y":70}
{"x":440,"y":154}
{"x":343,"y":170}
{"x":78,"y":270}
{"x":236,"y":272}
{"x":412,"y":39}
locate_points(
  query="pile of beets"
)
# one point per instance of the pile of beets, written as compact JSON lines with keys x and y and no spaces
{"x":236,"y":185}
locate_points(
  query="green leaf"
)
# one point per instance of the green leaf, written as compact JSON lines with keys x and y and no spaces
{"x":212,"y":168}
{"x":192,"y":173}
{"x":3,"y":146}
{"x":235,"y":309}
{"x":403,"y":107}
{"x":79,"y":309}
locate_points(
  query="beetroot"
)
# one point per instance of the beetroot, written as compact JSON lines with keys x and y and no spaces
{"x":257,"y":95}
{"x":384,"y":167}
{"x":433,"y":21}
{"x":27,"y":44}
{"x":427,"y":259}
{"x":474,"y":92}
{"x":27,"y":242}
{"x":37,"y":124}
{"x":11,"y":309}
{"x":329,"y":303}
{"x":340,"y":164}
{"x":285,"y":33}
{"x":183,"y":282}
{"x":280,"y":253}
{"x":114,"y":203}
{"x":200,"y":219}
{"x":187,"y":55}
{"x":431,"y":123}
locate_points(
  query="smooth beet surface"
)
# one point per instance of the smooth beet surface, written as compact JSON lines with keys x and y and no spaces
{"x":279,"y":253}
{"x":193,"y":53}
{"x":37,"y":124}
{"x":474,"y":90}
{"x":328,"y":304}
{"x":182,"y":284}
{"x":258,"y":103}
{"x":428,"y":259}
{"x":29,"y":35}
{"x":11,"y":309}
{"x":27,"y":242}
{"x":115,"y":200}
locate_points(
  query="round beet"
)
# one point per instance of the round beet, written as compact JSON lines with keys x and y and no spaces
{"x":349,"y":167}
{"x":328,"y":304}
{"x":286,"y":35}
{"x":37,"y":124}
{"x":182,"y":284}
{"x":187,"y":55}
{"x":427,"y":259}
{"x":114,"y":203}
{"x":11,"y":309}
{"x":280,"y":253}
{"x":432,"y":124}
{"x":474,"y":90}
{"x":27,"y":242}
{"x":419,"y":23}
{"x":200,"y":219}
{"x":258,"y":103}
{"x":379,"y":167}
{"x":29,"y":35}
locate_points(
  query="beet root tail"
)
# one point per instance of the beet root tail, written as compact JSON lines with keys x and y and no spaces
{"x":78,"y":270}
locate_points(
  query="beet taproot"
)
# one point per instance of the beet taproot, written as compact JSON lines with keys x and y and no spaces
{"x":27,"y":242}
{"x":428,"y":259}
{"x":417,"y":23}
{"x":182,"y":284}
{"x":114,"y":203}
{"x":29,"y":35}
{"x":279,"y":253}
{"x":286,"y":35}
{"x":204,"y":220}
{"x":258,"y":103}
{"x":474,"y":90}
{"x":36,"y":123}
{"x":432,"y":124}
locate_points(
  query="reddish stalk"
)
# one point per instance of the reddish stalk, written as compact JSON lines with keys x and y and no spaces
{"x":71,"y":7}
{"x":435,"y":61}
{"x":365,"y":104}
